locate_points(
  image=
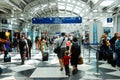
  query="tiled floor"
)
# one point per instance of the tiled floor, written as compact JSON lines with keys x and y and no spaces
{"x":36,"y":69}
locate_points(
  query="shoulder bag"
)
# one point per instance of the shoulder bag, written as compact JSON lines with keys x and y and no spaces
{"x":57,"y":49}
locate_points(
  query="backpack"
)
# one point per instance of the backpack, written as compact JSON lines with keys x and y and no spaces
{"x":76,"y":49}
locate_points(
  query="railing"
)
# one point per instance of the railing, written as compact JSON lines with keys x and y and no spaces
{"x":89,"y":46}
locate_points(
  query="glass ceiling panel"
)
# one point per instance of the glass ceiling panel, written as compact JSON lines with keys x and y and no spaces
{"x":64,"y":0}
{"x":73,"y":1}
{"x":81,"y":14}
{"x":52,"y":3}
{"x":69,"y":8}
{"x":70,"y":5}
{"x":61,"y":7}
{"x":77,"y":10}
{"x":95,"y":1}
{"x":107,"y":2}
{"x":61,"y":4}
{"x":80,"y":4}
{"x":75,"y":7}
{"x":69,"y":0}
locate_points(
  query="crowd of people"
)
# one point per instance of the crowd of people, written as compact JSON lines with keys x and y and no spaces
{"x":69,"y":52}
{"x":110,"y":47}
{"x":22,"y":45}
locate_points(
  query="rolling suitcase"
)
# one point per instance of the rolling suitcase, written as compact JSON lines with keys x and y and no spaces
{"x":45,"y":56}
{"x":7,"y":58}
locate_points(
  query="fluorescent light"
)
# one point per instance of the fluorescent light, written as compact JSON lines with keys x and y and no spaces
{"x":106,"y":3}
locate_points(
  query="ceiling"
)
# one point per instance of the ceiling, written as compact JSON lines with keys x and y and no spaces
{"x":39,"y":8}
{"x":26,"y":9}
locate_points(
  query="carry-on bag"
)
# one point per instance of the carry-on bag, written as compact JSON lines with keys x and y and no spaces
{"x":7,"y":58}
{"x":45,"y":56}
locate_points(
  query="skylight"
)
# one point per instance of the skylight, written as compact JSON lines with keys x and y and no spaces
{"x":69,"y":8}
{"x":61,"y":7}
{"x":107,"y":2}
{"x":94,"y":1}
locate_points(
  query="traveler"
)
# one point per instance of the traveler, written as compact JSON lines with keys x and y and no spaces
{"x":66,"y":62}
{"x":112,"y":41}
{"x":60,"y":55}
{"x":117,"y":49}
{"x":23,"y":47}
{"x":75,"y":53}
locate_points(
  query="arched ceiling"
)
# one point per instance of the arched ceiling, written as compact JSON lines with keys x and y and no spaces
{"x":41,"y":8}
{"x":26,"y":9}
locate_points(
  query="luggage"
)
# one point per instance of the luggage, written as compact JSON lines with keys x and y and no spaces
{"x":7,"y":58}
{"x":0,"y":70}
{"x":109,"y":57}
{"x":45,"y":56}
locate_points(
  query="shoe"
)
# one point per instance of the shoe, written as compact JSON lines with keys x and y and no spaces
{"x":74,"y":71}
{"x":61,"y":69}
{"x":68,"y":74}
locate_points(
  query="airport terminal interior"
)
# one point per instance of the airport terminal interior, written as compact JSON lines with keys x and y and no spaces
{"x":39,"y":25}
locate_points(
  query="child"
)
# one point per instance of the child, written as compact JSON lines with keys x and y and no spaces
{"x":66,"y":63}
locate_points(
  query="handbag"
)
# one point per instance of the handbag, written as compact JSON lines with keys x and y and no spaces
{"x":80,"y":60}
{"x":57,"y":49}
{"x":2,"y":47}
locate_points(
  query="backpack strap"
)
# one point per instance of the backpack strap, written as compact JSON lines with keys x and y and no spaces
{"x":62,"y":42}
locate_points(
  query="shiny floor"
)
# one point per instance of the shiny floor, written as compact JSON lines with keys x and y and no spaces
{"x":36,"y":69}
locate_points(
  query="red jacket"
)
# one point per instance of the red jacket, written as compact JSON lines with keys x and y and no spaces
{"x":66,"y":60}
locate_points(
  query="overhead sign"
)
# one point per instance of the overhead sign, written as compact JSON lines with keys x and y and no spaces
{"x":109,"y":20}
{"x":57,"y":20}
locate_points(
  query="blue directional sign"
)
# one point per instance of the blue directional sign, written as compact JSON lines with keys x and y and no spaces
{"x":57,"y":20}
{"x":109,"y":20}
